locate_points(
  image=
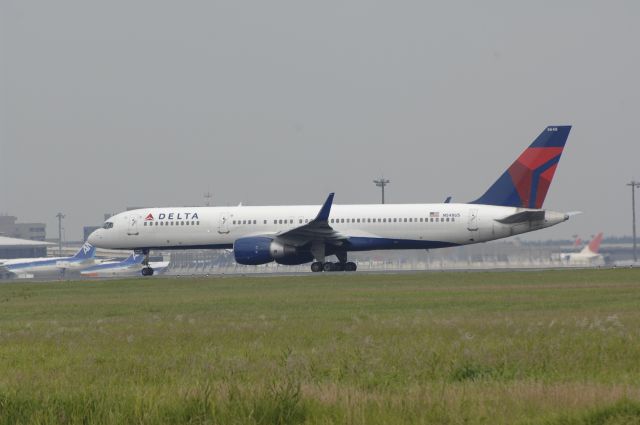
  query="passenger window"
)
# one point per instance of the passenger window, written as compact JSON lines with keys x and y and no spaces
{"x":306,"y":220}
{"x":198,"y":223}
{"x":265,"y":222}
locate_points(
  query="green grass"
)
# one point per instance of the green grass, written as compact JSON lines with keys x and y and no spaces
{"x":553,"y":347}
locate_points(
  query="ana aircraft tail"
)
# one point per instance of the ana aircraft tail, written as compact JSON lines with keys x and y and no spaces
{"x":87,"y":251}
{"x":527,"y":180}
{"x":594,"y":246}
{"x":134,"y":259}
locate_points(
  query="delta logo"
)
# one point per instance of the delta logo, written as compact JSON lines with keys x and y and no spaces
{"x":174,"y":216}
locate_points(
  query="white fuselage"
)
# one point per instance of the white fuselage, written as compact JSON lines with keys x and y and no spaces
{"x":45,"y":265}
{"x":389,"y":226}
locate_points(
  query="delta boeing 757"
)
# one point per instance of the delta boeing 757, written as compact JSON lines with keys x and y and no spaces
{"x":295,"y":235}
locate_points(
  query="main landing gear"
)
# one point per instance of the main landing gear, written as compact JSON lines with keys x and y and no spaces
{"x":318,"y":251}
{"x":146,"y":268}
{"x":328,"y":266}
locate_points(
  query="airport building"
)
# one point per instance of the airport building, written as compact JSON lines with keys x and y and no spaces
{"x":22,"y":248}
{"x":10,"y":227}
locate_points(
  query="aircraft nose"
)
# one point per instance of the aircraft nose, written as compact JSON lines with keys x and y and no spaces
{"x":94,"y":238}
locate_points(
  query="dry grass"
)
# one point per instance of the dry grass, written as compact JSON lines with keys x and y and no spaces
{"x":550,"y":347}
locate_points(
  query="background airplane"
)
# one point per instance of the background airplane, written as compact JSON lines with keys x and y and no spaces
{"x":294,"y":235}
{"x":131,"y":266}
{"x":589,"y":255}
{"x":28,"y":267}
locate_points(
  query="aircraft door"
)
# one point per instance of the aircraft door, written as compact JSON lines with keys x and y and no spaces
{"x":132,"y":227}
{"x":223,"y":224}
{"x":472,"y":224}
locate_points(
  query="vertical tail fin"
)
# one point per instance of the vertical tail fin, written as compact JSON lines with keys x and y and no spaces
{"x":87,"y":251}
{"x":527,"y":180}
{"x":594,"y":246}
{"x":134,"y":259}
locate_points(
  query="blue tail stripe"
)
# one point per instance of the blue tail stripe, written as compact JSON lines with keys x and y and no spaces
{"x":556,"y":138}
{"x":502,"y":192}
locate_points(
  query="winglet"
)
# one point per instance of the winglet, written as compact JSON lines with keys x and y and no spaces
{"x":448,"y":200}
{"x":323,"y":215}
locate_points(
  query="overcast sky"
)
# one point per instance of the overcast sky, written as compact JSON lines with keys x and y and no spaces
{"x":109,"y":104}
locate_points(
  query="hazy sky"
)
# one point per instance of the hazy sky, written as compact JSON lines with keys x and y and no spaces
{"x":108,"y":104}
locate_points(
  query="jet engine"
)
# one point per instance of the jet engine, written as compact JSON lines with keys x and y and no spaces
{"x":262,"y":250}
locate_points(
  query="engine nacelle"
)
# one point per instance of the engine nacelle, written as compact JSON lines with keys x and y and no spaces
{"x":262,"y":250}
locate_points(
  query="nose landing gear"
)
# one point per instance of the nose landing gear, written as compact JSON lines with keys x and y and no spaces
{"x":146,"y":269}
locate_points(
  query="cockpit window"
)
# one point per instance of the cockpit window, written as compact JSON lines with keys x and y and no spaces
{"x":107,"y":225}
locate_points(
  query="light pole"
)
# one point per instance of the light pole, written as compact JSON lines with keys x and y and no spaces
{"x":207,"y":197}
{"x":60,"y":217}
{"x":633,"y":185}
{"x":381,"y":183}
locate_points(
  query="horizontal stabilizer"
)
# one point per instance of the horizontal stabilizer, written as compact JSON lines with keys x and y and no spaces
{"x":523,"y":216}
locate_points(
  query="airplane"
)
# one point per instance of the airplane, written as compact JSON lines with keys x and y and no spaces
{"x":130,"y":266}
{"x":27,"y":267}
{"x":589,"y":255}
{"x":293,"y":235}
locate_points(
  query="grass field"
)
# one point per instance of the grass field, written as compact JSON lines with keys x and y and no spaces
{"x":552,"y":347}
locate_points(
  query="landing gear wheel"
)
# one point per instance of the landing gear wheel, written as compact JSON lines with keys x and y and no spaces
{"x":316,"y":267}
{"x":328,"y":266}
{"x":350,"y":266}
{"x":338,"y":267}
{"x":147,"y":271}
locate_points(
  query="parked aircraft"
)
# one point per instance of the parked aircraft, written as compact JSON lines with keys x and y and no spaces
{"x":28,"y":267}
{"x":302,"y":234}
{"x":589,"y":255}
{"x":131,"y":266}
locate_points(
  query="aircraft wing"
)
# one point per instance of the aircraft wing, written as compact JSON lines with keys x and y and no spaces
{"x":317,"y":229}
